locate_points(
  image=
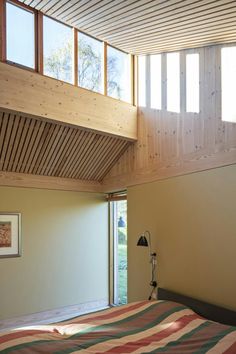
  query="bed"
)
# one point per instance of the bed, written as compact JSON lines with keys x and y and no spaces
{"x":163,"y":326}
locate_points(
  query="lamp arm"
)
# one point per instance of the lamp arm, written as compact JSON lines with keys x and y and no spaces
{"x":147,"y":233}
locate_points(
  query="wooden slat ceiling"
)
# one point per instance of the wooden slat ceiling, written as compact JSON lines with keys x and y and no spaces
{"x":148,"y":26}
{"x":38,"y":147}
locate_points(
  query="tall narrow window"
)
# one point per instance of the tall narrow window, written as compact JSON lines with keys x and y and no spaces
{"x":155,"y":77}
{"x":142,"y":81}
{"x":90,"y":56}
{"x":119,"y":251}
{"x":20,"y":35}
{"x":228,"y":79}
{"x":118,"y":74}
{"x":173,"y":82}
{"x":192,"y":83}
{"x":57,"y":50}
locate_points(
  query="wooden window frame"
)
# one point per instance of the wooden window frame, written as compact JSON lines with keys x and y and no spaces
{"x":104,"y":61}
{"x":4,"y":50}
{"x":132,"y":72}
{"x":38,"y":24}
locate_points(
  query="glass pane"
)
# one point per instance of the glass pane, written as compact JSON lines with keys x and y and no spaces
{"x":118,"y":74}
{"x":57,"y":50}
{"x":90,"y":57}
{"x":120,"y":252}
{"x":192,"y":83}
{"x":20,"y":36}
{"x":142,"y":81}
{"x":173,"y":82}
{"x":155,"y":74}
{"x":228,"y":79}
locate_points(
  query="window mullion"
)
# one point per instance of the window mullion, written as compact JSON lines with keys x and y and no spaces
{"x":2,"y":30}
{"x":105,"y":68}
{"x":76,"y":56}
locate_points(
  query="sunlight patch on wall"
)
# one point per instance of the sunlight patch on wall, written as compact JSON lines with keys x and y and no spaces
{"x":155,"y":76}
{"x":173,"y":82}
{"x":142,"y":81}
{"x":192,"y":83}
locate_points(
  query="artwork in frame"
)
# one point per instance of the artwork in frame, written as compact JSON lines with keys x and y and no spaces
{"x":10,"y":235}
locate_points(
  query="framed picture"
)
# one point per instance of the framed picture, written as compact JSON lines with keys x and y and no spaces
{"x":10,"y":235}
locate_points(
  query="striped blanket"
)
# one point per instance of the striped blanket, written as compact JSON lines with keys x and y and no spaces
{"x":141,"y":327}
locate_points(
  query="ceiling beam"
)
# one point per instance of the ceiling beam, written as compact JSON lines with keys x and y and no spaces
{"x":11,"y":179}
{"x":33,"y":95}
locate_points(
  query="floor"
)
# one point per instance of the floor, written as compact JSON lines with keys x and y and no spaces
{"x":51,"y":316}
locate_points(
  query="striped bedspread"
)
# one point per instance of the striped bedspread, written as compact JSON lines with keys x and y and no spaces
{"x":141,"y":327}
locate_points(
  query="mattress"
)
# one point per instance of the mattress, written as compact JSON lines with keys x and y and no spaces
{"x":140,"y":327}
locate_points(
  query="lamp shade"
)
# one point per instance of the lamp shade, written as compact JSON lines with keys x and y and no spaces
{"x":121,"y":222}
{"x":142,"y":241}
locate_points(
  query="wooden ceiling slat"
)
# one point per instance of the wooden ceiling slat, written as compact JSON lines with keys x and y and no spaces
{"x":35,"y":148}
{"x":61,"y":4}
{"x":56,"y":132}
{"x":3,"y":131}
{"x":18,"y":127}
{"x":6,"y":141}
{"x":130,"y":12}
{"x":45,"y":148}
{"x":98,"y":158}
{"x":112,"y":158}
{"x":40,"y":143}
{"x":105,"y":153}
{"x":31,"y":146}
{"x":181,"y":44}
{"x":181,"y":23}
{"x":64,"y":155}
{"x":56,"y":150}
{"x":27,"y":2}
{"x":175,"y":11}
{"x":112,"y":155}
{"x":172,"y":30}
{"x":81,"y":152}
{"x":82,"y":139}
{"x":15,"y":120}
{"x":72,"y":6}
{"x":39,"y":3}
{"x":142,"y":26}
{"x":25,"y":122}
{"x":117,"y":7}
{"x":85,"y":10}
{"x":31,"y":125}
{"x":87,"y":152}
{"x":178,"y":38}
{"x":95,"y":154}
{"x":47,"y":5}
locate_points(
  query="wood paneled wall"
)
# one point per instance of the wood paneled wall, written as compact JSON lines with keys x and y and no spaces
{"x":171,"y":144}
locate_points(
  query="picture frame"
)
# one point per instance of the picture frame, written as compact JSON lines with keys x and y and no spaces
{"x":10,"y":235}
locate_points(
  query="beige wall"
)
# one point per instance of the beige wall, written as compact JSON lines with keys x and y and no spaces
{"x":65,"y":252}
{"x":192,"y":219}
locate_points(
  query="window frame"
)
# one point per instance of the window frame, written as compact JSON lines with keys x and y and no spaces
{"x":76,"y":48}
{"x":132,"y":77}
{"x":111,"y":198}
{"x":38,"y":35}
{"x":41,"y":51}
{"x":4,"y":50}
